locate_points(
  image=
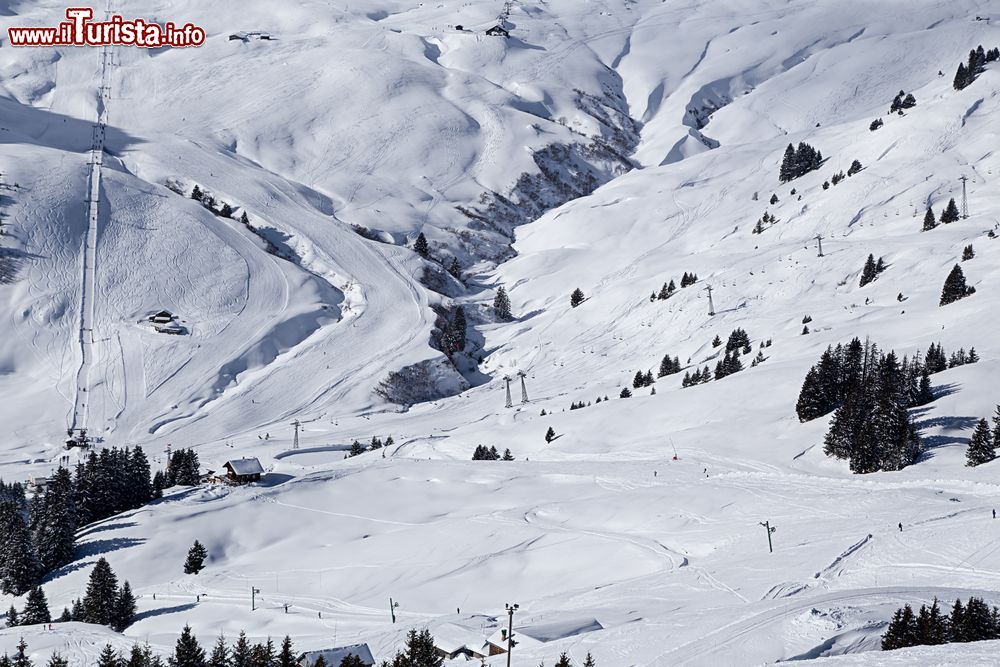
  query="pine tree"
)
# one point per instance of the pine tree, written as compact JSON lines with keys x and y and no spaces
{"x":351,"y":660}
{"x":102,"y":593}
{"x":563,"y":661}
{"x":576,"y":298}
{"x":420,"y":649}
{"x":589,"y":661}
{"x":421,"y":247}
{"x":124,"y":611}
{"x":787,"y":171}
{"x":56,"y":660}
{"x":550,"y":434}
{"x":716,"y":342}
{"x":227,"y":211}
{"x":195,"y":562}
{"x":950,"y":213}
{"x":12,"y":617}
{"x":625,"y":393}
{"x":187,"y":652}
{"x":869,"y":272}
{"x":19,"y":568}
{"x":241,"y":651}
{"x":455,"y":269}
{"x":501,"y":304}
{"x":244,"y":219}
{"x":220,"y":654}
{"x":108,"y":657}
{"x":929,"y":221}
{"x":962,"y":78}
{"x":36,"y":608}
{"x":981,"y":448}
{"x":955,"y":287}
{"x":854,"y":168}
{"x":286,"y":656}
{"x":507,"y":456}
{"x":197,"y":194}
{"x":968,"y":253}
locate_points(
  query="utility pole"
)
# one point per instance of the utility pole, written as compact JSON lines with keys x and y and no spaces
{"x":965,"y":197}
{"x":295,"y":442}
{"x":711,"y":304}
{"x":253,"y":598}
{"x":393,"y":606}
{"x":506,"y":378}
{"x":769,"y":529}
{"x":819,"y":239}
{"x":510,"y":629}
{"x":524,"y":390}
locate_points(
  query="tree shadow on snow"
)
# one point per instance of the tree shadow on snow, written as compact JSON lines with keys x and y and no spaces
{"x":944,"y":390}
{"x":163,"y":611}
{"x":107,"y":526}
{"x":99,"y":547}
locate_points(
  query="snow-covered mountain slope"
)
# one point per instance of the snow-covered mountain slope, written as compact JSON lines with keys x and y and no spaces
{"x":383,"y":114}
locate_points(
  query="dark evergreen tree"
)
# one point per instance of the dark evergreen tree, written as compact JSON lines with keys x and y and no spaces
{"x":968,"y":253}
{"x":455,"y":269}
{"x":56,"y":660}
{"x":962,"y":78}
{"x":36,"y":608}
{"x":950,"y":213}
{"x":101,"y":596}
{"x":929,"y":221}
{"x":421,"y":247}
{"x":226,"y":211}
{"x":195,"y":562}
{"x":955,"y":287}
{"x":19,"y":568}
{"x":625,"y":393}
{"x":576,"y":298}
{"x":108,"y":657}
{"x":351,"y":660}
{"x":507,"y":456}
{"x":244,"y":219}
{"x":241,"y":651}
{"x":588,"y":661}
{"x":981,"y":448}
{"x":187,"y":651}
{"x":286,"y":656}
{"x":788,"y":168}
{"x":550,"y":434}
{"x":12,"y":618}
{"x":563,"y":660}
{"x":501,"y":304}
{"x":854,"y":168}
{"x":220,"y":654}
{"x":869,"y":272}
{"x":124,"y":611}
{"x":196,"y":193}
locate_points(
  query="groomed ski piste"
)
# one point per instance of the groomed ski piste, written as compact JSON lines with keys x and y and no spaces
{"x":382,"y":114}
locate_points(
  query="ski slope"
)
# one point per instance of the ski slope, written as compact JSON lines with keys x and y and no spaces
{"x":383,"y":114}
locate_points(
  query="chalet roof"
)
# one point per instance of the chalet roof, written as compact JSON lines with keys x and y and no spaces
{"x":451,"y":637}
{"x":333,"y":656}
{"x":245,"y":466}
{"x":164,"y":313}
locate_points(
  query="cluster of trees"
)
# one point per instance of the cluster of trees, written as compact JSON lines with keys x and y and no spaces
{"x":421,"y":247}
{"x":871,"y":270}
{"x":699,"y":376}
{"x":765,"y":221}
{"x":903,"y":100}
{"x":876,"y":124}
{"x":501,"y":305}
{"x":842,"y":369}
{"x":955,"y":287}
{"x":491,"y":454}
{"x":949,"y":215}
{"x":665,"y":292}
{"x":799,"y":161}
{"x":105,"y":602}
{"x":738,"y":339}
{"x":579,"y":405}
{"x":36,"y":610}
{"x":669,"y":366}
{"x":183,"y":469}
{"x":208,"y":201}
{"x":870,"y":394}
{"x":642,"y":379}
{"x":972,"y":622}
{"x":968,"y":72}
{"x":854,"y":168}
{"x":40,"y":536}
{"x":968,"y":253}
{"x":419,"y":652}
{"x":689,"y":279}
{"x":983,"y":444}
{"x":376,"y":443}
{"x":576,"y":298}
{"x":728,"y":365}
{"x":452,"y":336}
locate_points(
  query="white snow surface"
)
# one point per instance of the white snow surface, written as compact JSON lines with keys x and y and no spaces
{"x":381,"y":113}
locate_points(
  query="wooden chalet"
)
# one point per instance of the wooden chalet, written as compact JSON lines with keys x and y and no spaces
{"x":243,"y":471}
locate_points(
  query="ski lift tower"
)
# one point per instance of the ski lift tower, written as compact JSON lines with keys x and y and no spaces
{"x":524,"y":390}
{"x":506,"y":379}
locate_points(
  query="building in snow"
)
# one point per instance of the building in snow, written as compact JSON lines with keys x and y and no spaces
{"x":498,"y":31}
{"x":334,"y":656}
{"x":162,"y":317}
{"x":454,"y":641}
{"x":527,"y":636}
{"x":243,"y":471}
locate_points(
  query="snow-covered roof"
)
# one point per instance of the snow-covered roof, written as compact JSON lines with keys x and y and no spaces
{"x":541,"y":633}
{"x":333,"y":656}
{"x":451,"y":637}
{"x":245,"y":466}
